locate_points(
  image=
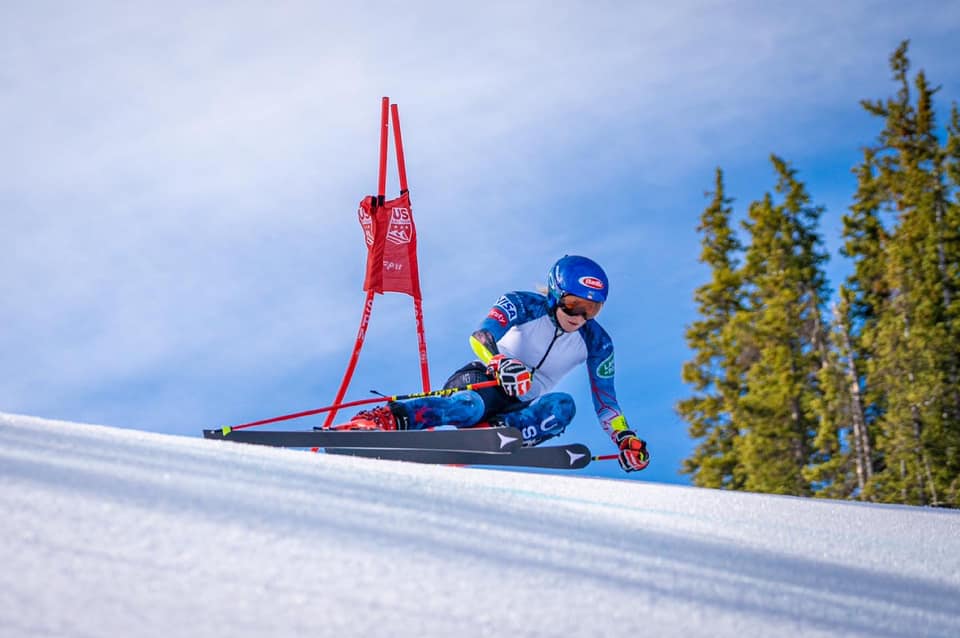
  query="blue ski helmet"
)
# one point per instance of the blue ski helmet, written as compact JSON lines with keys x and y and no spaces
{"x":575,"y":275}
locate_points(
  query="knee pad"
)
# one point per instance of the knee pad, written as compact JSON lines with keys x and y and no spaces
{"x":556,"y":414}
{"x":545,"y":419}
{"x":469,"y":406}
{"x":560,"y":405}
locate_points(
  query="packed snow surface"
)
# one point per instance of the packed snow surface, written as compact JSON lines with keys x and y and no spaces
{"x":115,"y":532}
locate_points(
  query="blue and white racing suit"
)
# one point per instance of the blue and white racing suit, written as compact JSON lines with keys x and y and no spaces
{"x":522,"y":326}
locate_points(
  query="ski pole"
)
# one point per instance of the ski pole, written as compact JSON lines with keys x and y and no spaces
{"x":351,"y":404}
{"x":605,"y":457}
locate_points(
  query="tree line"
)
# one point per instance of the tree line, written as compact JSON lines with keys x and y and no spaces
{"x":795,"y":390}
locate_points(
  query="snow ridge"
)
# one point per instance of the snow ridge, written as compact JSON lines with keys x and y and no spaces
{"x":110,"y":531}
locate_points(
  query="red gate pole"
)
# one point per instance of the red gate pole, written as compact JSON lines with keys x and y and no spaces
{"x":417,"y":302}
{"x":398,"y":141}
{"x":368,"y":304}
{"x":354,"y":358}
{"x":384,"y":128}
{"x":422,"y":344}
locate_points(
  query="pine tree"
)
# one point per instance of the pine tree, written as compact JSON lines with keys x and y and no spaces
{"x":868,"y":407}
{"x":841,"y":463}
{"x":783,"y":326}
{"x":713,"y":371}
{"x":863,"y":298}
{"x":951,"y":226}
{"x":909,"y":333}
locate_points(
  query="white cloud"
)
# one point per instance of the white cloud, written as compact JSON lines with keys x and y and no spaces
{"x":180,"y":181}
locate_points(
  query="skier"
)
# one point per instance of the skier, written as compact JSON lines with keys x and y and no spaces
{"x":528,"y":342}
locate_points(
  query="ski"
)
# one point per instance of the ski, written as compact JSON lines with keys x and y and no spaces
{"x":480,"y":440}
{"x":560,"y":457}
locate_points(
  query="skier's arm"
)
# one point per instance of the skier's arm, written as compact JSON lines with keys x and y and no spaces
{"x":601,"y":370}
{"x":501,"y":317}
{"x":605,"y":402}
{"x":484,"y":345}
{"x":633,"y":450}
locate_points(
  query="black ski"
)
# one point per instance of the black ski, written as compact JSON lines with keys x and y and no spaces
{"x":481,"y":440}
{"x":559,"y":457}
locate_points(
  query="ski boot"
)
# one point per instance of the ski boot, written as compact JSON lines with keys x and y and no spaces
{"x":392,"y":416}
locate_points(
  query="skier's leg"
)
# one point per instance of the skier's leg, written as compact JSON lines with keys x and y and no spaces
{"x":544,"y":419}
{"x":483,"y":403}
{"x":461,"y":409}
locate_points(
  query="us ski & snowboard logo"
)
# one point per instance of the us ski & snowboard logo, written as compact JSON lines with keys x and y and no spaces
{"x":366,"y":221}
{"x":400,"y":230}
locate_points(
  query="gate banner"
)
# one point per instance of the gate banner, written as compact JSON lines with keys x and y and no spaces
{"x":391,"y":239}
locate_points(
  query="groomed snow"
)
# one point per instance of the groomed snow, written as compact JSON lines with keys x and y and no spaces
{"x":115,"y":532}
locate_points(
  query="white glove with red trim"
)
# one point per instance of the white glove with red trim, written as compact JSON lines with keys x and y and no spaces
{"x":513,"y":376}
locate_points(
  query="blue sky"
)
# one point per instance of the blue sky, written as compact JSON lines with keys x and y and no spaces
{"x":179,"y":246}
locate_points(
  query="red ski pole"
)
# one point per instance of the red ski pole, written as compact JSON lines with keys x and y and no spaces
{"x":605,"y":457}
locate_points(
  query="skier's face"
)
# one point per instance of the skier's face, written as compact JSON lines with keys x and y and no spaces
{"x":573,"y":305}
{"x":569,"y":323}
{"x":572,"y":312}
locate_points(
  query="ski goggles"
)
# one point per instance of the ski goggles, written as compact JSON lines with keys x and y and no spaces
{"x":574,"y":306}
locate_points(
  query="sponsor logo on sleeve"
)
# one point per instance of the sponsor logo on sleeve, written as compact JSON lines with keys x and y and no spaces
{"x":497,"y":315}
{"x":605,"y":369}
{"x":508,"y":307}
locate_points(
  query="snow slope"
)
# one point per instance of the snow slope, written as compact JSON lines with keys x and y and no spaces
{"x":114,"y":532}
